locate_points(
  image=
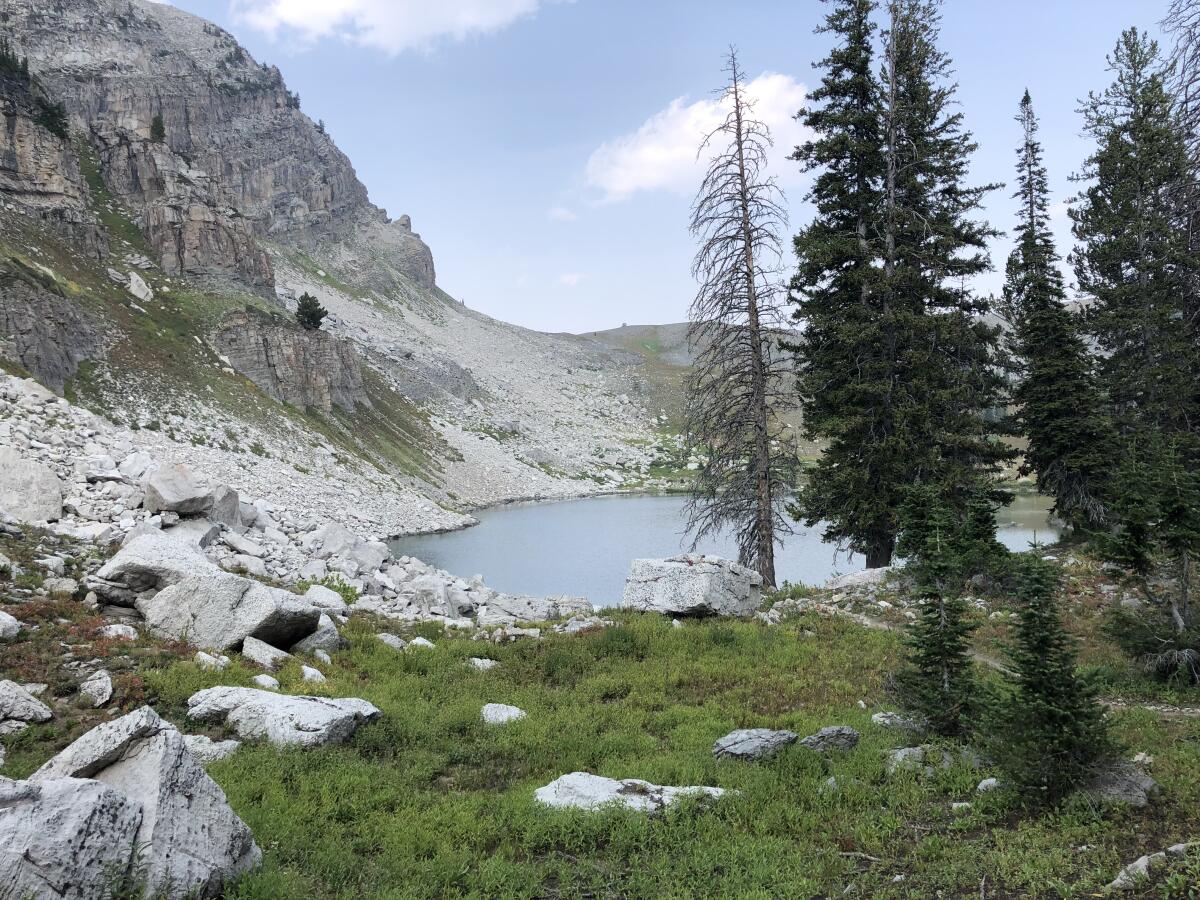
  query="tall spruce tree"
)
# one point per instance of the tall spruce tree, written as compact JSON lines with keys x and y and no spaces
{"x":1049,"y":728}
{"x":1136,"y":261}
{"x":896,"y":365}
{"x":1058,"y":408}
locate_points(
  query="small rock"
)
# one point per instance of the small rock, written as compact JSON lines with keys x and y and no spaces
{"x":752,"y":743}
{"x":988,"y":784}
{"x":500,"y":714}
{"x":262,"y":653}
{"x":832,"y":737}
{"x":421,"y":643}
{"x":207,"y":750}
{"x":97,"y":690}
{"x":308,"y":673}
{"x":210,"y":662}
{"x":266,"y":681}
{"x":482,"y":664}
{"x":583,"y":790}
{"x":396,"y":643}
{"x":9,"y":627}
{"x":118,"y":631}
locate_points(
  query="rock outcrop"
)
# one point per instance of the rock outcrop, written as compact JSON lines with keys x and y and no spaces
{"x":583,"y":790}
{"x":190,"y":842}
{"x":29,"y":491}
{"x":692,"y":585}
{"x":308,"y":369}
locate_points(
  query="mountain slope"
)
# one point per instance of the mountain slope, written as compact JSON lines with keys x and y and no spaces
{"x":161,"y":268}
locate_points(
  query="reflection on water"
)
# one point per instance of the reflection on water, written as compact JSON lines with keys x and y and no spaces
{"x":583,"y":547}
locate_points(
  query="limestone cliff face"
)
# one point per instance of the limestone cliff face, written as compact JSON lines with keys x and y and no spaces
{"x":39,"y":172}
{"x":310,"y":369}
{"x":253,"y":162}
{"x":43,"y":331}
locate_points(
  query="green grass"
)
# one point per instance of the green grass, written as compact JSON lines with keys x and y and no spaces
{"x":429,"y":802}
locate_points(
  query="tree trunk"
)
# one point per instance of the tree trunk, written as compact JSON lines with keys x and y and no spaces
{"x":880,"y":548}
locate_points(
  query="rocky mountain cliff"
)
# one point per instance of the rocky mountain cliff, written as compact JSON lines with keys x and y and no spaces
{"x":158,"y":230}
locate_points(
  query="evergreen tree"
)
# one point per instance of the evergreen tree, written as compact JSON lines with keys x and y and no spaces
{"x":1136,"y":261}
{"x":1049,"y":728}
{"x":309,"y":312}
{"x":1058,"y":407}
{"x":938,"y":683}
{"x":896,"y":366}
{"x":158,"y":129}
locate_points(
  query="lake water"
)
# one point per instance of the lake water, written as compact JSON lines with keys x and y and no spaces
{"x":582,"y":548}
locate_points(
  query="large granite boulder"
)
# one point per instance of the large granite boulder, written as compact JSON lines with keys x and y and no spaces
{"x":504,"y":609}
{"x":18,"y":705}
{"x":29,"y":491}
{"x":177,"y":489}
{"x":218,"y":611}
{"x":281,"y":719}
{"x":189,"y":839}
{"x":692,"y":585}
{"x":64,"y":837}
{"x":149,"y":561}
{"x":1122,"y":782}
{"x":583,"y":790}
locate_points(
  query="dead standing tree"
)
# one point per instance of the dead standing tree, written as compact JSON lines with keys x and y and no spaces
{"x":741,"y":380}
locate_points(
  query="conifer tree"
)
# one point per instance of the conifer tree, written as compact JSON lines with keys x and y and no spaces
{"x":1058,"y":408}
{"x":158,"y":129}
{"x":1049,"y":728}
{"x":938,"y":683}
{"x":1136,"y":261}
{"x":309,"y":312}
{"x":896,"y":365}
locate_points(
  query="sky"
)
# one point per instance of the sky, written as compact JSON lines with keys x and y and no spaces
{"x":545,"y":149}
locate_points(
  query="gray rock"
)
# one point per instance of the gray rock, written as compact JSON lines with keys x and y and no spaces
{"x":118,"y":631}
{"x":906,"y":759}
{"x":482,"y":664}
{"x":9,"y":627}
{"x":242,"y":545}
{"x":266,"y":682}
{"x":1122,"y":782}
{"x":226,"y":508}
{"x":752,"y":743}
{"x":325,"y":639}
{"x":692,"y":585}
{"x":988,"y":785}
{"x":150,"y":561}
{"x":64,"y":838}
{"x":501,"y":714}
{"x":314,"y":676}
{"x":865,"y":578}
{"x":210,"y":662}
{"x":325,"y":598}
{"x":219,"y":610}
{"x":201,"y":532}
{"x":190,"y":839}
{"x":176,"y":489}
{"x":251,"y":565}
{"x":420,"y":643}
{"x":1138,"y":872}
{"x":60,"y":587}
{"x":263,"y":654}
{"x":207,"y":750}
{"x":582,"y":790}
{"x":136,"y":465}
{"x":17,"y":704}
{"x":396,"y":643}
{"x":833,"y":737}
{"x":97,"y":690}
{"x":282,"y":720}
{"x":29,"y":491}
{"x":896,"y":720}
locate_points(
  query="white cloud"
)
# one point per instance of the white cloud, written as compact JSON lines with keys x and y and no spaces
{"x":561,"y":214}
{"x":661,"y":154}
{"x":571,"y":279}
{"x":389,"y":25}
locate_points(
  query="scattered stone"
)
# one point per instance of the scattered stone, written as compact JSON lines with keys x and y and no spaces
{"x":1122,"y":782}
{"x":692,"y":585}
{"x":865,"y":578}
{"x":190,"y":840}
{"x":9,"y":626}
{"x":17,"y":704}
{"x":833,"y":737}
{"x":420,"y":643}
{"x":582,"y":790}
{"x":263,"y":654}
{"x":282,"y":720}
{"x":323,"y":656}
{"x":753,"y":743}
{"x":906,"y":759}
{"x":60,"y":587}
{"x":308,"y":673}
{"x":118,"y":631}
{"x":501,"y":714}
{"x":988,"y":784}
{"x":266,"y":681}
{"x":1135,"y":874}
{"x":896,"y":720}
{"x":396,"y":643}
{"x":207,"y":750}
{"x":210,"y":662}
{"x":97,"y":690}
{"x":961,"y":807}
{"x":478,"y":662}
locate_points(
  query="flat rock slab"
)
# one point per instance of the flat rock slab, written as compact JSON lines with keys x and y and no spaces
{"x":29,"y":491}
{"x":149,"y":561}
{"x":753,"y":743}
{"x":583,"y":790}
{"x":190,"y":841}
{"x":833,"y":737}
{"x":283,"y":720}
{"x":692,"y":585}
{"x":865,"y":578}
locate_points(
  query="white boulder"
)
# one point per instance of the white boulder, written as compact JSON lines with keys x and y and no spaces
{"x":501,"y":714}
{"x":97,"y":690}
{"x":692,"y":585}
{"x":9,"y":626}
{"x":18,"y":705}
{"x":176,"y":489}
{"x":283,"y":720}
{"x":29,"y":491}
{"x":582,"y":790}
